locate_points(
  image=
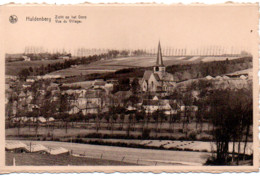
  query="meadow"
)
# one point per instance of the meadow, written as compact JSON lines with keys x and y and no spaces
{"x":13,"y":68}
{"x":36,"y":159}
{"x":112,"y":65}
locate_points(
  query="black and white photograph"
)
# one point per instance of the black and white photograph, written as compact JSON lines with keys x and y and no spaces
{"x":131,"y":85}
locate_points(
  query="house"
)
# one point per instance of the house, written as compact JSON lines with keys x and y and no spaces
{"x":109,"y":87}
{"x":90,"y":103}
{"x":26,"y":58}
{"x":51,"y":119}
{"x":209,"y":77}
{"x":29,"y":99}
{"x":225,"y":77}
{"x":11,"y":77}
{"x":50,"y":76}
{"x":158,"y":80}
{"x":155,"y":104}
{"x":243,"y":77}
{"x":41,"y":119}
{"x":27,"y":85}
{"x":99,"y":84}
{"x":22,"y":96}
{"x":31,"y":80}
{"x":64,"y":57}
{"x":219,"y":78}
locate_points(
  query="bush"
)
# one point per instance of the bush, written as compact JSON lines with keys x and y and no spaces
{"x":206,"y":139}
{"x":192,"y":136}
{"x":214,"y":161}
{"x":187,"y":149}
{"x":204,"y":150}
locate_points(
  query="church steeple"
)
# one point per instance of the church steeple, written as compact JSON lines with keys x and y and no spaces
{"x":159,"y":61}
{"x":159,"y":67}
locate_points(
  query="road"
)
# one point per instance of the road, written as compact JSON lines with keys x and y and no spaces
{"x":131,"y":155}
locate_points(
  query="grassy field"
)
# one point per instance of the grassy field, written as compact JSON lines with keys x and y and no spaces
{"x":35,"y":159}
{"x":13,"y":68}
{"x":115,"y":64}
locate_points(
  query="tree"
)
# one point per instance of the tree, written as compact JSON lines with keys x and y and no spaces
{"x":24,"y":73}
{"x":135,"y":85}
{"x":155,"y":116}
{"x":124,"y":53}
{"x":64,"y":108}
{"x":229,"y":109}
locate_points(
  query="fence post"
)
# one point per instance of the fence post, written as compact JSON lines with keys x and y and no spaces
{"x":101,"y":156}
{"x":13,"y":161}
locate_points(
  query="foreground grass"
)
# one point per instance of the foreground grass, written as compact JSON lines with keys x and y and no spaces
{"x":35,"y":159}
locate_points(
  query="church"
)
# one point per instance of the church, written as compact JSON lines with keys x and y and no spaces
{"x":158,"y":80}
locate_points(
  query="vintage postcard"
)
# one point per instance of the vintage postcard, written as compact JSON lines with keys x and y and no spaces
{"x":129,"y":88}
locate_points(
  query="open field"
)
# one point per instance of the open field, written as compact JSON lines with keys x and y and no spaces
{"x":175,"y":140}
{"x":131,"y":155}
{"x":35,"y":159}
{"x":112,"y":65}
{"x":13,"y":68}
{"x":176,"y":144}
{"x":80,"y":128}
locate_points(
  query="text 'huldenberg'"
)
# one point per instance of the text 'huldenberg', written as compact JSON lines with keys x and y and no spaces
{"x":44,"y":19}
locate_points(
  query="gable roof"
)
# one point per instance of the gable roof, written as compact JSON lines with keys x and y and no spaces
{"x":147,"y":75}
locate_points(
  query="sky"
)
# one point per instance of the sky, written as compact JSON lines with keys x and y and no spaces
{"x":135,"y":27}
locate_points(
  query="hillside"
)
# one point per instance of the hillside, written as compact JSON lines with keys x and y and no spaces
{"x":13,"y":68}
{"x":181,"y":72}
{"x":115,"y":64}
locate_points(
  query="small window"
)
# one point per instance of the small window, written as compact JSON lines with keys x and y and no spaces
{"x":156,"y":68}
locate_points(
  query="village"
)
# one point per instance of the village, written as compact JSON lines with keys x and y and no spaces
{"x":43,"y":99}
{"x":155,"y":111}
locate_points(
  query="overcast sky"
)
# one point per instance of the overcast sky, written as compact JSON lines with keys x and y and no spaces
{"x":133,"y":27}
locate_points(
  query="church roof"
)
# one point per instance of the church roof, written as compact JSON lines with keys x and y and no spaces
{"x":157,"y":77}
{"x":147,"y":74}
{"x":167,"y":77}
